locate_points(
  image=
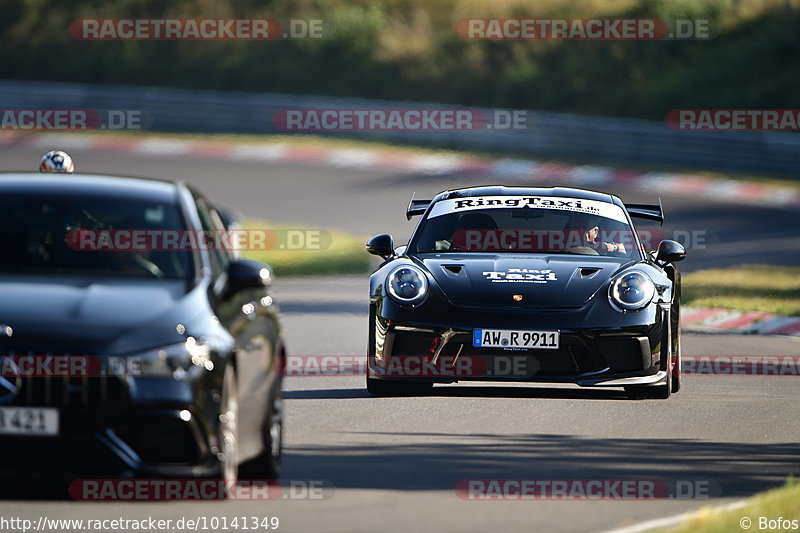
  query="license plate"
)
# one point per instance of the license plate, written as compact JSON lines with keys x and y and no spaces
{"x":512,"y":338}
{"x":29,"y":421}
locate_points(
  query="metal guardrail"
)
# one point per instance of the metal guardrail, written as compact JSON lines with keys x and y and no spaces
{"x":548,"y":135}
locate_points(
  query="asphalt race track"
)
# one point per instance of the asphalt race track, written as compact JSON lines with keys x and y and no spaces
{"x":394,"y":463}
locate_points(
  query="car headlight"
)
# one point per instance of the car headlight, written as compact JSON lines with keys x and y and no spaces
{"x":407,"y":284}
{"x":170,"y":361}
{"x":632,"y":290}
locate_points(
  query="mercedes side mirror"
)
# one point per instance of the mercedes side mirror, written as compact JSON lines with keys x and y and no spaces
{"x":248,"y":274}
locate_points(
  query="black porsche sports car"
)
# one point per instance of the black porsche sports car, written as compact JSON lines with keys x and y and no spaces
{"x":153,"y":361}
{"x":525,"y":284}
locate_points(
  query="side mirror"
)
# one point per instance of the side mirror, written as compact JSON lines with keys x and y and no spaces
{"x":248,"y":274}
{"x":669,"y":252}
{"x":382,"y":245}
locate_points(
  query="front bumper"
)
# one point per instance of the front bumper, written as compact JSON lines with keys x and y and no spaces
{"x":613,"y":357}
{"x":114,"y":426}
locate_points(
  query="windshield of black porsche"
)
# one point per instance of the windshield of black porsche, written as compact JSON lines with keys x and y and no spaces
{"x":92,"y":236}
{"x":527,"y":230}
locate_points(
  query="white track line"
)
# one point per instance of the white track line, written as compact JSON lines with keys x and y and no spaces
{"x":670,"y":521}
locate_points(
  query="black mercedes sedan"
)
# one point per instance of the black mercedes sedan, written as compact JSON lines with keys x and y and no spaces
{"x":139,"y":358}
{"x":525,"y":284}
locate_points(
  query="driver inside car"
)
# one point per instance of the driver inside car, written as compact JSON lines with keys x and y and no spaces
{"x":583,"y":232}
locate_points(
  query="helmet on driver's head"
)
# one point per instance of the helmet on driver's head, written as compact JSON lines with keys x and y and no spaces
{"x":56,"y":161}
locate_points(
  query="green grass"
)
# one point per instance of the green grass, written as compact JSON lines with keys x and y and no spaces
{"x":781,"y":502}
{"x":771,"y":289}
{"x":338,"y":252}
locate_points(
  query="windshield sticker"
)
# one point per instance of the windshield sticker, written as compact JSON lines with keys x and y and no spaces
{"x":576,"y":205}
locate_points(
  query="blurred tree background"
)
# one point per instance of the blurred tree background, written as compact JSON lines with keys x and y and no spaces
{"x":409,"y":50}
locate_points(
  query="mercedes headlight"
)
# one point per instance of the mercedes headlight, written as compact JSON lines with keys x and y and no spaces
{"x":407,"y":284}
{"x":632,"y":290}
{"x":169,"y":361}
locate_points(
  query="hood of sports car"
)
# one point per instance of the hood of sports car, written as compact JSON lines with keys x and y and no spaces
{"x":521,"y":281}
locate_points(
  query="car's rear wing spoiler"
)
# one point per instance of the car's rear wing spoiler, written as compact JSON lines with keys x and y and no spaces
{"x":416,"y":207}
{"x":647,"y":211}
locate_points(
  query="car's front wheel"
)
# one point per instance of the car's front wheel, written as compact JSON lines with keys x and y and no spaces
{"x":228,"y":428}
{"x":677,"y":370}
{"x":670,"y":364}
{"x":266,"y":465}
{"x":661,"y":391}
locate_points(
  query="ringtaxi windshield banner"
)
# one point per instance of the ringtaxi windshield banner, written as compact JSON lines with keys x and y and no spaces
{"x":577,"y":205}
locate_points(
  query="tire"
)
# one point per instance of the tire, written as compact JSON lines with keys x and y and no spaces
{"x":662,"y":392}
{"x":228,"y":429}
{"x":266,"y":465}
{"x":677,"y":370}
{"x":385,"y":387}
